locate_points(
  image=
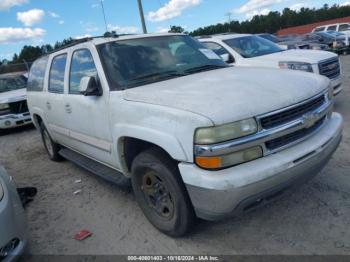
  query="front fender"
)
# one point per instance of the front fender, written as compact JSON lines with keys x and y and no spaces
{"x":167,"y":142}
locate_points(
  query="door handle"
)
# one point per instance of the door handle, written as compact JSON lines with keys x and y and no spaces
{"x":68,"y":108}
{"x":48,"y":105}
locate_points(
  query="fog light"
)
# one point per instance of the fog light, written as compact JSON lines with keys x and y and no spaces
{"x":7,"y":123}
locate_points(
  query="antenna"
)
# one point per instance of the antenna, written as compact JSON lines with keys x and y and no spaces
{"x":229,"y":20}
{"x":142,"y":17}
{"x":104,"y":15}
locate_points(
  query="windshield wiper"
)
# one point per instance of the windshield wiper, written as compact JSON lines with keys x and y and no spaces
{"x":156,"y":76}
{"x":202,"y":68}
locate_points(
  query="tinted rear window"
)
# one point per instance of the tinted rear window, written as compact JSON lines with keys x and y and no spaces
{"x":344,"y":27}
{"x":320,"y":29}
{"x":37,"y":74}
{"x":58,"y":67}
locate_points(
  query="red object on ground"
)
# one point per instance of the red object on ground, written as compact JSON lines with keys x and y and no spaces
{"x":303,"y":29}
{"x":83,"y":234}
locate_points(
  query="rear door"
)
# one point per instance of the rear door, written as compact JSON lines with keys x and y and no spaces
{"x":54,"y":100}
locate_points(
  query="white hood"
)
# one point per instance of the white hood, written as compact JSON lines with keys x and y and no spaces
{"x":231,"y":94}
{"x":13,"y":96}
{"x":295,"y":55}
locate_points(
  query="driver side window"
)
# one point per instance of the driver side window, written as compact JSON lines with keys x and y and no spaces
{"x":82,"y":65}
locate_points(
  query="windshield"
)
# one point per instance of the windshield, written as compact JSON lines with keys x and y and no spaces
{"x":12,"y":83}
{"x":253,"y":46}
{"x":134,"y":62}
{"x":272,"y":38}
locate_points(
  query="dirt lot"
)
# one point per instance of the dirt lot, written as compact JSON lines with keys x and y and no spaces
{"x":313,"y":219}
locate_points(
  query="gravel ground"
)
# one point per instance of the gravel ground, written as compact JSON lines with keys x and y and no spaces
{"x":312,"y":219}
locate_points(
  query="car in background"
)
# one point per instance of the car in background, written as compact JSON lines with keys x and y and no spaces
{"x":254,"y":51}
{"x":329,"y":38}
{"x":295,"y":42}
{"x":339,"y":27}
{"x":12,"y":220}
{"x":340,"y":36}
{"x":13,"y":100}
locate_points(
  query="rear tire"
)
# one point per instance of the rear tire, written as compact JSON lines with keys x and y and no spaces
{"x":161,"y":193}
{"x":51,"y":147}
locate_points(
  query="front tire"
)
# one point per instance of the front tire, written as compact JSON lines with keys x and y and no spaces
{"x":51,"y":147}
{"x":161,"y":193}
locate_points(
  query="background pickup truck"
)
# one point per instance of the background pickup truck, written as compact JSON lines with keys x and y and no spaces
{"x":255,"y":51}
{"x":13,"y":100}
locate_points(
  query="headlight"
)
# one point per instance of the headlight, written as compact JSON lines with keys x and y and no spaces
{"x":296,"y":66}
{"x":316,"y":48}
{"x":232,"y":159}
{"x":217,"y":134}
{"x":1,"y":192}
{"x":4,"y":106}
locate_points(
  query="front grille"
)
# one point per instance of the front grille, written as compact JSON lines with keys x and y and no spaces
{"x":291,"y":114}
{"x":292,"y":137}
{"x":18,"y":107}
{"x":330,"y":68}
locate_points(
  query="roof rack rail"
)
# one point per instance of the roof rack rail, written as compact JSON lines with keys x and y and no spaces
{"x":80,"y":41}
{"x":203,"y":36}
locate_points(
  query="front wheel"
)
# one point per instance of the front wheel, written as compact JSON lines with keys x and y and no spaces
{"x":51,"y":147}
{"x":161,"y":193}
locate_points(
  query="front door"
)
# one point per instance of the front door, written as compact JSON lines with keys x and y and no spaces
{"x":86,"y":117}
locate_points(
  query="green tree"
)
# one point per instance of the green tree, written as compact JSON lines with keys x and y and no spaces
{"x":176,"y":29}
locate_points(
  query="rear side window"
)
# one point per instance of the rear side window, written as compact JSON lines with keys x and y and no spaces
{"x":319,"y":29}
{"x":37,"y":74}
{"x":58,"y":66}
{"x":344,"y":27}
{"x":82,"y":65}
{"x":332,"y":28}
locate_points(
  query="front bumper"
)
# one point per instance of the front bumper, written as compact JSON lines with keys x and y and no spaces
{"x":12,"y":219}
{"x":15,"y":120}
{"x":218,"y":194}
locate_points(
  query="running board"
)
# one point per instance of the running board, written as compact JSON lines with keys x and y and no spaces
{"x":96,"y":168}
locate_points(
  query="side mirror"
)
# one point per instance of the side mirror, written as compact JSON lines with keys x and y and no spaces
{"x":225,"y":57}
{"x":90,"y":87}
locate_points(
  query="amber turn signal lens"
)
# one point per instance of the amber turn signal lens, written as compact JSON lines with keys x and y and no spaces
{"x":209,"y":162}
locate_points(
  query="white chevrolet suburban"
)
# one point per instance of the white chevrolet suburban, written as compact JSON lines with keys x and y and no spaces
{"x":195,"y":136}
{"x":252,"y":50}
{"x":13,"y":100}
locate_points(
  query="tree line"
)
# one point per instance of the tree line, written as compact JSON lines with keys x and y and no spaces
{"x":269,"y":23}
{"x":274,"y":21}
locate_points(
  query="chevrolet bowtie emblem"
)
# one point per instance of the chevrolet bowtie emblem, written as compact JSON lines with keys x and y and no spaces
{"x":310,"y":119}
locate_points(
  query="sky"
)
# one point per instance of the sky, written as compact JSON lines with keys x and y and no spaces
{"x":37,"y":22}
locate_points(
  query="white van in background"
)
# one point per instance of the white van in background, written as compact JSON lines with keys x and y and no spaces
{"x":340,"y":27}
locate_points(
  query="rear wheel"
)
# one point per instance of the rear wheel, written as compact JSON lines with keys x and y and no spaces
{"x":51,"y":147}
{"x":161,"y":193}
